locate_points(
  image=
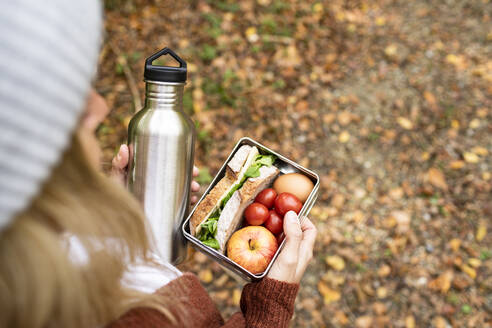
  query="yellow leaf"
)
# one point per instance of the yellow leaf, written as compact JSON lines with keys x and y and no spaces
{"x":437,"y":179}
{"x":474,"y":262}
{"x":475,"y":123}
{"x":471,"y":157}
{"x":380,"y":21}
{"x":318,"y":7}
{"x":251,"y":34}
{"x":206,"y":276}
{"x":469,"y":271}
{"x":382,"y":292}
{"x":344,"y":137}
{"x":329,"y":295}
{"x":409,"y":322}
{"x":455,"y":124}
{"x":456,"y":165}
{"x":236,"y":297}
{"x":336,"y":262}
{"x":425,"y":156}
{"x":442,"y":283}
{"x":481,"y":232}
{"x":405,"y":123}
{"x":391,"y":50}
{"x":455,"y":244}
{"x":480,"y":151}
{"x":486,"y":176}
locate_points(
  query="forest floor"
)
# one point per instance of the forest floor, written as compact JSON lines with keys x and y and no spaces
{"x":389,"y":101}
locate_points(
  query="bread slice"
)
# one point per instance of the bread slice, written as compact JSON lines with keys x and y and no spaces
{"x":231,"y":215}
{"x":235,"y":169}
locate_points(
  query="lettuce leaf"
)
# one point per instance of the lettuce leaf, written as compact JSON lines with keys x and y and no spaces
{"x":211,"y":243}
{"x":208,"y":231}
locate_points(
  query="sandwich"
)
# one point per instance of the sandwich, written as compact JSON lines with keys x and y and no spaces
{"x":219,"y":214}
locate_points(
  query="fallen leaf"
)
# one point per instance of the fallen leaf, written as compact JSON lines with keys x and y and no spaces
{"x":402,"y":220}
{"x":474,"y":262}
{"x":442,"y":283}
{"x":455,"y":244}
{"x":471,"y":157}
{"x":329,"y":295}
{"x":396,"y":193}
{"x":390,"y":50}
{"x":344,"y":118}
{"x":364,"y":321}
{"x":456,"y":165}
{"x":338,"y":200}
{"x":336,"y":262}
{"x":206,"y":276}
{"x":341,"y":318}
{"x":481,"y":231}
{"x":469,"y":271}
{"x":236,"y":297}
{"x":431,"y":100}
{"x":380,"y":21}
{"x":474,"y":124}
{"x":439,"y":322}
{"x":344,"y":137}
{"x":405,"y":123}
{"x":410,"y":322}
{"x":379,"y":308}
{"x":382,"y":292}
{"x":384,"y":270}
{"x":251,"y":34}
{"x":318,"y":7}
{"x":437,"y":179}
{"x":480,"y":151}
{"x":486,"y":176}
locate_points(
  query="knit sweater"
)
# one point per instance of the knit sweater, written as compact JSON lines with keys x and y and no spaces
{"x":265,"y":304}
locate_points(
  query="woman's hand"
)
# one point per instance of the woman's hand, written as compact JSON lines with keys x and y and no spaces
{"x":297,"y":252}
{"x":120,"y":162}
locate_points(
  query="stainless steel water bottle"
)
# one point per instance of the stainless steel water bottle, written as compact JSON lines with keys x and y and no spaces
{"x":161,"y":140}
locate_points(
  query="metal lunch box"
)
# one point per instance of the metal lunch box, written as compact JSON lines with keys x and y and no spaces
{"x":285,"y":165}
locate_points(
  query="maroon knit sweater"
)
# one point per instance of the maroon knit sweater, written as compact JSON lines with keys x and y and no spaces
{"x":265,"y":304}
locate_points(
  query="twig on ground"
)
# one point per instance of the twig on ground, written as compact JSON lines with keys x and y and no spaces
{"x":137,"y":103}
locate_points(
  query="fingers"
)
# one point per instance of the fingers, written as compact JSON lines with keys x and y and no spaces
{"x":195,"y":186}
{"x":306,"y":247}
{"x":119,"y":164}
{"x":293,"y":232}
{"x":120,"y":161}
{"x":196,"y":171}
{"x":194,"y":199}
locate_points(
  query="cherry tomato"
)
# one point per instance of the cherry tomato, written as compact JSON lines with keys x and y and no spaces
{"x":256,"y":214}
{"x":287,"y":202}
{"x":267,"y":197}
{"x":274,"y":223}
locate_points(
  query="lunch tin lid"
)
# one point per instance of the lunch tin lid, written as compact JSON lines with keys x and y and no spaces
{"x":165,"y":73}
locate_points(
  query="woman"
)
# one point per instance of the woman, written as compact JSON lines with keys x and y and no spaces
{"x":73,"y":248}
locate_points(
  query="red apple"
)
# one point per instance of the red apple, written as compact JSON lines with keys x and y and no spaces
{"x":252,"y":248}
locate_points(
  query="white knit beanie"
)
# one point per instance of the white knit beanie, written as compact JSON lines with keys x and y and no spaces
{"x":48,"y":56}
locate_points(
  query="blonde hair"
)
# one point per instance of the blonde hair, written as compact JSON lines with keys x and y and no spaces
{"x":40,"y":286}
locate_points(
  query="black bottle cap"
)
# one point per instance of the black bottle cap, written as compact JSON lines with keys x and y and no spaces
{"x":165,"y":73}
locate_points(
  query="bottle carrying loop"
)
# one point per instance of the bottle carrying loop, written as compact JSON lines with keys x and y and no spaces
{"x":165,"y":73}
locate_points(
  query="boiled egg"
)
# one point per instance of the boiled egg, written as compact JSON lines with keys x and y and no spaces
{"x":296,"y":184}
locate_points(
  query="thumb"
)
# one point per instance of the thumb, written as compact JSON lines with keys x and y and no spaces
{"x":293,"y":233}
